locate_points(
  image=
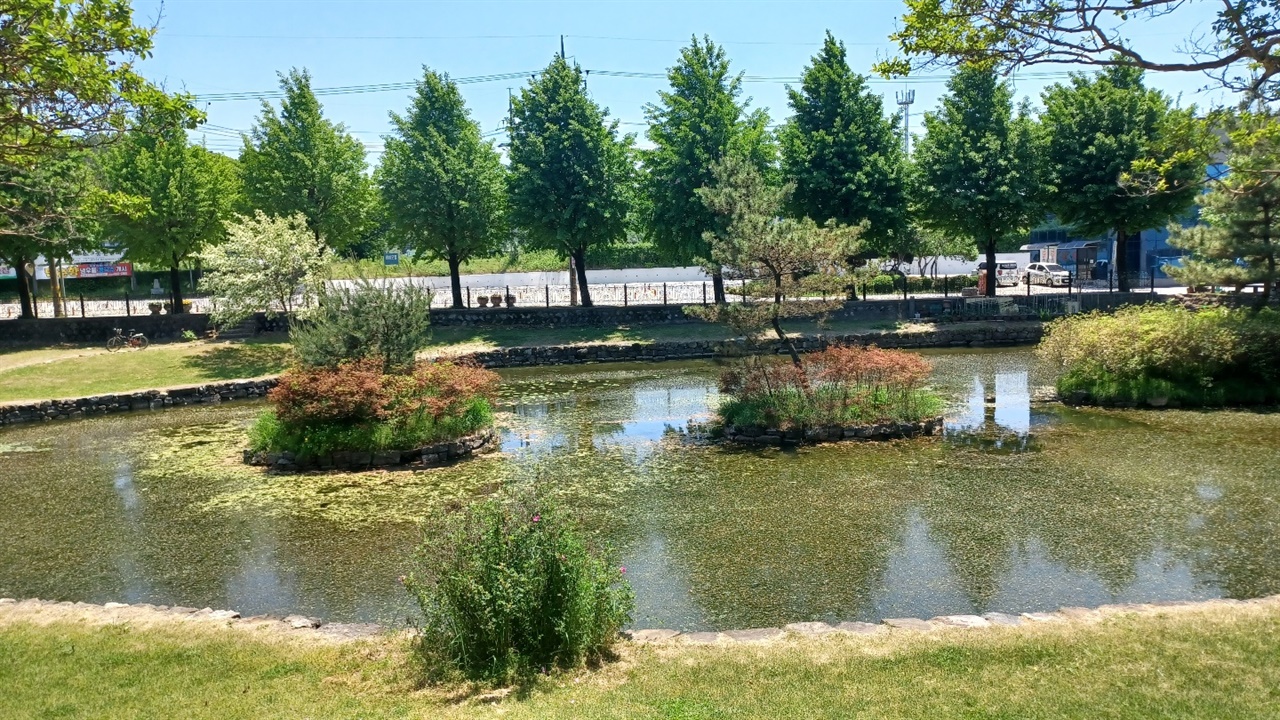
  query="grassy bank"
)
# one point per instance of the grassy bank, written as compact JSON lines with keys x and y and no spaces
{"x":46,"y":373}
{"x":1209,"y":663}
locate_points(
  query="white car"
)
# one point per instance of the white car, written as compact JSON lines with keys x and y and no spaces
{"x":1047,"y":274}
{"x":1007,"y":274}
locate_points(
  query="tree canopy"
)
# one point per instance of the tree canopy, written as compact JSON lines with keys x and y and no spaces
{"x":267,"y":264}
{"x":1101,"y":129}
{"x":571,"y":176}
{"x":978,"y":166}
{"x":701,"y":119}
{"x":1241,"y":48}
{"x":845,"y":157}
{"x":296,"y":161}
{"x":169,"y":198}
{"x":444,"y":187}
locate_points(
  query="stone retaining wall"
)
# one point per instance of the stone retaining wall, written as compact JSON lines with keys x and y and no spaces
{"x":14,"y":413}
{"x":797,"y":436}
{"x":43,"y":611}
{"x":98,"y":329}
{"x":429,"y":456}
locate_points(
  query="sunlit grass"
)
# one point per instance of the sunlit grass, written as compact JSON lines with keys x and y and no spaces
{"x":1214,"y":663}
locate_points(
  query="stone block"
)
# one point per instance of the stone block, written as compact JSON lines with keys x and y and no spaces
{"x":702,"y":638}
{"x":998,"y":618}
{"x":808,"y":628}
{"x":915,"y":624}
{"x":861,"y":628}
{"x":963,"y":621}
{"x":755,"y":634}
{"x":1043,"y":617}
{"x":224,"y":615}
{"x":653,"y":636}
{"x":299,"y":622}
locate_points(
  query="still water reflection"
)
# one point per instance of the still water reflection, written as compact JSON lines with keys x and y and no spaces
{"x":1019,"y":507}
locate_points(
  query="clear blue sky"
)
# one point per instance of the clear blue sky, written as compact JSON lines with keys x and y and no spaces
{"x":220,"y":46}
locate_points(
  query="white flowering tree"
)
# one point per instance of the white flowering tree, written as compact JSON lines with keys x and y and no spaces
{"x":267,"y":264}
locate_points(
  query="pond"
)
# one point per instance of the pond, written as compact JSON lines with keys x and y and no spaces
{"x":1019,"y":507}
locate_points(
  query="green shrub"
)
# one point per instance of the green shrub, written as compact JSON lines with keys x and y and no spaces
{"x":189,"y":336}
{"x":386,"y":320}
{"x":509,"y":588}
{"x":1146,"y":353}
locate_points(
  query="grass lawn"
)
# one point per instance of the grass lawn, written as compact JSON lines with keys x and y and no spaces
{"x":79,"y":371}
{"x":1205,"y":663}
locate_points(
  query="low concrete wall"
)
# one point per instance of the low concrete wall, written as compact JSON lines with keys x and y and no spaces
{"x":99,"y":329}
{"x":14,"y":413}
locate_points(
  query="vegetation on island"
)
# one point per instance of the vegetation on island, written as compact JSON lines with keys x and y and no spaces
{"x":1167,"y":355}
{"x":510,"y":587}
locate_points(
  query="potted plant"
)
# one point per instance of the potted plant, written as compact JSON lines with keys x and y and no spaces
{"x":511,"y":300}
{"x":483,"y":300}
{"x":155,"y":307}
{"x":496,"y":299}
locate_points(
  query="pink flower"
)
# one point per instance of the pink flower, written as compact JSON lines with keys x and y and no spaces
{"x":623,"y":570}
{"x":536,"y":518}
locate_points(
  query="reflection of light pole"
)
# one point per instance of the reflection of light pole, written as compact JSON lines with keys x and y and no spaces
{"x":905,"y":98}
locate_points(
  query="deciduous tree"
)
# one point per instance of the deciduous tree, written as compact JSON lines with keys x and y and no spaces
{"x":845,"y":157}
{"x":1098,"y":131}
{"x":978,"y":166}
{"x":699,"y":120}
{"x":267,"y":264}
{"x":296,"y":161}
{"x":571,"y":176}
{"x":443,"y":186}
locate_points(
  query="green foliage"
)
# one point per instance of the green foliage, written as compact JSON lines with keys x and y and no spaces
{"x":570,"y":183}
{"x":1151,"y":352}
{"x":835,"y":387}
{"x":443,"y":186}
{"x":1098,"y":132}
{"x":297,"y":162}
{"x":700,"y":120}
{"x":357,"y":407}
{"x":189,"y":336}
{"x":978,"y":165}
{"x":266,"y":264}
{"x":168,"y":199}
{"x":1239,"y":240}
{"x":383,"y":320}
{"x":509,"y":588}
{"x":845,"y":158}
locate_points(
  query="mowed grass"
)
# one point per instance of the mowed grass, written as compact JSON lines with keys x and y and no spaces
{"x":79,"y":371}
{"x":1221,"y":663}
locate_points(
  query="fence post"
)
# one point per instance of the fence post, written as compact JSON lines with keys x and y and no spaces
{"x":1069,"y":284}
{"x":704,"y":292}
{"x":624,"y":295}
{"x":82,"y":305}
{"x":1028,"y":279}
{"x":127,"y":311}
{"x":744,"y":290}
{"x":944,"y":284}
{"x":664,"y":293}
{"x":548,"y":289}
{"x":864,"y":290}
{"x":1153,"y":281}
{"x":1110,"y":274}
{"x":468,"y":297}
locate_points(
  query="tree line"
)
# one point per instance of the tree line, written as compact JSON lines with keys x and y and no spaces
{"x":1106,"y":155}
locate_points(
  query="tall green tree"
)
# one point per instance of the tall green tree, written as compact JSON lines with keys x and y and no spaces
{"x":1098,"y":131}
{"x":444,"y":188}
{"x":977,"y":165}
{"x":571,"y":175}
{"x":1238,"y":241}
{"x":169,"y":198}
{"x":701,"y":119}
{"x":296,"y":161}
{"x":845,"y":157}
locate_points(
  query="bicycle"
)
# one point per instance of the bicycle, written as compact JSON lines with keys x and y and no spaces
{"x":133,"y":340}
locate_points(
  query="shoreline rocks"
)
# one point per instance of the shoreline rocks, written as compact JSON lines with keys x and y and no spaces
{"x":435,"y":455}
{"x":760,"y":436}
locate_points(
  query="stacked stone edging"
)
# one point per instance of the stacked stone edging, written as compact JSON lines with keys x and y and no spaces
{"x":14,"y":413}
{"x":319,"y":630}
{"x":957,"y":335}
{"x":430,"y":456}
{"x":802,"y":436}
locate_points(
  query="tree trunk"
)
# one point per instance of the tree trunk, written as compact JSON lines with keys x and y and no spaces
{"x":1121,"y":260}
{"x":991,"y":268}
{"x":24,"y":289}
{"x":777,"y":289}
{"x":1270,"y":278}
{"x":55,"y":288}
{"x":579,"y":261}
{"x":717,"y":287}
{"x":787,"y":343}
{"x":455,"y":281}
{"x":573,"y":281}
{"x":175,"y":290}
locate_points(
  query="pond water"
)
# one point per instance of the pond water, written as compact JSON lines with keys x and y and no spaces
{"x":1020,"y":507}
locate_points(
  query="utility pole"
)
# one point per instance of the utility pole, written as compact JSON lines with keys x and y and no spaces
{"x":905,"y":99}
{"x":562,"y":47}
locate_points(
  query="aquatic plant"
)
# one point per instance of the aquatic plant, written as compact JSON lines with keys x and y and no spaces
{"x":509,"y":587}
{"x":838,"y":386}
{"x":357,"y":407}
{"x":1167,"y":353}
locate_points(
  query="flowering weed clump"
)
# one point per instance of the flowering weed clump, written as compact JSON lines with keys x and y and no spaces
{"x":1167,"y":353}
{"x":509,"y":587}
{"x":357,"y":407}
{"x":838,"y":386}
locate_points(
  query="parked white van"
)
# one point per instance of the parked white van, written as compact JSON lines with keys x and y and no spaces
{"x":1007,"y":274}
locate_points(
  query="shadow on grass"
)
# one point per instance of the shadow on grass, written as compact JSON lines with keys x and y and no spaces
{"x":231,"y":362}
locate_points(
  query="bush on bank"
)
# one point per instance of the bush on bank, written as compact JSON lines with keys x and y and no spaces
{"x":835,"y":387}
{"x":511,"y":588}
{"x":357,"y":407}
{"x":1166,"y":353}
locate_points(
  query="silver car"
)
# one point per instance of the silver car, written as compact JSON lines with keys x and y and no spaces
{"x":1051,"y":274}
